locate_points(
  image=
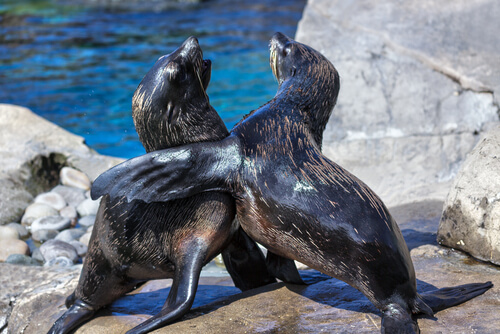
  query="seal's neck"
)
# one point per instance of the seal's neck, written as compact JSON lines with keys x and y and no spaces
{"x":198,"y":121}
{"x":312,"y":103}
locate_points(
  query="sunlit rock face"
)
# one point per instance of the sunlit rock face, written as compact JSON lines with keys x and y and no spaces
{"x":471,"y":217}
{"x":418,"y":84}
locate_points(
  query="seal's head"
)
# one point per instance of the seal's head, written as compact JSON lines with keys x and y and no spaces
{"x":172,"y":96}
{"x":308,"y":78}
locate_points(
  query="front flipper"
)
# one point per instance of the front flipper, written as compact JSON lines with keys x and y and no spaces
{"x":283,"y":268}
{"x":245,"y":263}
{"x":183,"y":290}
{"x":79,"y":313}
{"x":173,"y":173}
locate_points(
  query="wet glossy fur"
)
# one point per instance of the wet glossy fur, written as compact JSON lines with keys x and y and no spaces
{"x":291,"y":198}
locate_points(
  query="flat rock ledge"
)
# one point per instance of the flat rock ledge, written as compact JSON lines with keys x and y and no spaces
{"x":32,"y":153}
{"x":420,"y":82}
{"x":33,"y":297}
{"x":471,"y":217}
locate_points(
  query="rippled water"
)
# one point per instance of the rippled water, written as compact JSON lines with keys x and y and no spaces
{"x":77,"y":63}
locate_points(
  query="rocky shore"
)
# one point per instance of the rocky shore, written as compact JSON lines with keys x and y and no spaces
{"x":417,"y":119}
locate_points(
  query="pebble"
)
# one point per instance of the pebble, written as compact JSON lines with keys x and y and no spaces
{"x":22,"y":259}
{"x":60,"y":261}
{"x":81,"y":249}
{"x":44,"y":235}
{"x":37,"y":255}
{"x":52,"y":199}
{"x":13,"y":246}
{"x":70,"y":234}
{"x":85,"y":239}
{"x":7,"y":232}
{"x":56,"y":248}
{"x":87,"y":207}
{"x":73,"y":196}
{"x":74,"y":178}
{"x":87,"y":221}
{"x":68,"y":212}
{"x":35,"y":211}
{"x":23,"y":232}
{"x":50,"y":223}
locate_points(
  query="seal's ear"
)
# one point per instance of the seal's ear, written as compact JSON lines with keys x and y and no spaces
{"x":173,"y":173}
{"x":172,"y":113}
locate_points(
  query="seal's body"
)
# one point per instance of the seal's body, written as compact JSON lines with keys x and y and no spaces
{"x":293,"y":199}
{"x":136,"y":241}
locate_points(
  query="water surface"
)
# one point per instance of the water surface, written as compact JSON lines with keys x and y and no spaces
{"x":77,"y":63}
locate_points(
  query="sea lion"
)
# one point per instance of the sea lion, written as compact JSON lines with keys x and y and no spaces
{"x":136,"y":241}
{"x":290,"y":197}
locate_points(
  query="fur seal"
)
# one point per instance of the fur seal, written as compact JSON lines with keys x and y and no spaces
{"x":136,"y":241}
{"x":290,"y":197}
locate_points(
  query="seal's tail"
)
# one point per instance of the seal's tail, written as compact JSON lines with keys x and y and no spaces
{"x":441,"y":299}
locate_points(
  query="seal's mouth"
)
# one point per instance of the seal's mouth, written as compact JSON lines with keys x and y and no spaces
{"x":206,"y":73}
{"x":276,"y":46}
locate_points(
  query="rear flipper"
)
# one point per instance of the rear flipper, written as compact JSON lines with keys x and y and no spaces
{"x":245,"y":263}
{"x":173,"y":173}
{"x":79,"y":313}
{"x":283,"y":268}
{"x":443,"y":298}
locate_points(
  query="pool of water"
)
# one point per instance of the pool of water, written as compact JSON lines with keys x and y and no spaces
{"x":77,"y":63}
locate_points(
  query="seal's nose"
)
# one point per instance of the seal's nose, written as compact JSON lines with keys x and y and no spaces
{"x":190,"y":43}
{"x":280,"y":39}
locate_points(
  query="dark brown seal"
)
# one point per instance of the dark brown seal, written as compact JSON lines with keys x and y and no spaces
{"x":137,"y":241}
{"x":290,"y":197}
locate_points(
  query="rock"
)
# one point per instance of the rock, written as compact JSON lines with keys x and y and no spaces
{"x":32,"y":153}
{"x":70,"y":234}
{"x":85,"y":239}
{"x":73,"y":196}
{"x":88,"y":207}
{"x":12,"y":246}
{"x":50,"y":223}
{"x":60,"y":261}
{"x":74,"y":178}
{"x":68,"y":212}
{"x":87,"y":221}
{"x":43,"y":235}
{"x":81,"y":248}
{"x":23,"y":232}
{"x":52,"y":199}
{"x":412,"y":98}
{"x":35,"y":211}
{"x":7,"y":232}
{"x":22,"y":260}
{"x":57,"y":248}
{"x":471,"y":216}
{"x":37,"y":255}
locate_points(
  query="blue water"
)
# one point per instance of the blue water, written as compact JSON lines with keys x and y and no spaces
{"x":77,"y":63}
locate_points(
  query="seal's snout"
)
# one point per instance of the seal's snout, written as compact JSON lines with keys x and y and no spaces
{"x":190,"y":46}
{"x":280,"y":40}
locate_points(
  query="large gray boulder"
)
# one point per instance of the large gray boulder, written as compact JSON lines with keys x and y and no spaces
{"x":32,"y":152}
{"x":417,"y":87}
{"x":471,"y":216}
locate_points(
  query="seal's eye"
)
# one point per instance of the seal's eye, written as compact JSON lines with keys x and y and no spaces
{"x":287,"y":49}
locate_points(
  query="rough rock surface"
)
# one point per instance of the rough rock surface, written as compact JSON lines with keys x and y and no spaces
{"x":471,"y":217}
{"x":328,"y":306}
{"x":419,"y":81}
{"x":32,"y":152}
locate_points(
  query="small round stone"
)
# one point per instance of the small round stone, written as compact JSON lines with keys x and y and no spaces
{"x":37,"y":255}
{"x":22,"y":260}
{"x":84,"y":239}
{"x":56,"y":248}
{"x":70,"y":234}
{"x":73,"y":196}
{"x":87,"y":207}
{"x":68,"y":212}
{"x":35,"y":211}
{"x":60,"y":261}
{"x":23,"y":232}
{"x":13,"y":246}
{"x":81,"y":249}
{"x":50,"y":223}
{"x":44,"y":235}
{"x":87,"y":221}
{"x":74,"y":178}
{"x":7,"y":232}
{"x":52,"y":199}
